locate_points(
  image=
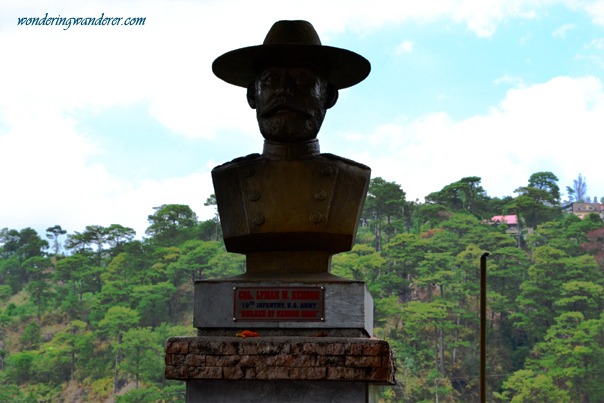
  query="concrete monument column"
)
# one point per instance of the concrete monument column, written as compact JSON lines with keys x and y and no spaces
{"x":287,"y":329}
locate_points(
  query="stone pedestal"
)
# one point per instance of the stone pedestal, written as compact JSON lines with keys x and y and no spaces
{"x":313,"y":342}
{"x":292,"y":369}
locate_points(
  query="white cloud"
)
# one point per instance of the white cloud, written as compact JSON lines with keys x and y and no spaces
{"x":595,"y":8}
{"x":47,"y":179}
{"x":596,"y":44}
{"x":593,"y":52}
{"x":166,"y":62}
{"x":554,"y":126}
{"x":562,"y":31}
{"x":404,"y":47}
{"x":483,"y":16}
{"x":48,"y":74}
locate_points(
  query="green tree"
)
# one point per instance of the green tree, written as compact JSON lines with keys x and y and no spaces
{"x":84,"y":242}
{"x":117,"y":321}
{"x":75,"y":341}
{"x":529,"y":386}
{"x":16,"y":247}
{"x":117,"y":236}
{"x":20,"y":366}
{"x":537,"y":202}
{"x":124,"y":269}
{"x":534,"y":205}
{"x":572,"y":352}
{"x":143,"y":395}
{"x":429,"y":216}
{"x":461,"y":225}
{"x":11,"y":393}
{"x":547,"y":182}
{"x":576,"y":232}
{"x":547,"y":277}
{"x":553,"y":234}
{"x":211,"y":201}
{"x":171,"y":224}
{"x":50,"y":366}
{"x":465,"y":195}
{"x":385,"y":201}
{"x":568,"y":365}
{"x":154,"y":305}
{"x":194,"y":260}
{"x":425,"y":325}
{"x":53,"y":233}
{"x":363,"y":263}
{"x":435,"y":273}
{"x":388,"y":314}
{"x":142,"y":355}
{"x":25,"y":243}
{"x":37,"y":269}
{"x":403,"y":254}
{"x":31,"y":336}
{"x":5,"y":322}
{"x":12,"y":274}
{"x":79,"y":273}
{"x":5,"y":293}
{"x":223,"y":265}
{"x":507,"y":269}
{"x":102,"y":242}
{"x":160,"y":261}
{"x":585,"y":297}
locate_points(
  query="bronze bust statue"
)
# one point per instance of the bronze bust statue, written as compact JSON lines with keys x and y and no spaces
{"x":290,"y":208}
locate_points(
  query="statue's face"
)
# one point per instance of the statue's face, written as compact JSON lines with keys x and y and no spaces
{"x":290,"y":103}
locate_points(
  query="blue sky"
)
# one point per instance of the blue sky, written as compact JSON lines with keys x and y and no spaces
{"x":100,"y":124}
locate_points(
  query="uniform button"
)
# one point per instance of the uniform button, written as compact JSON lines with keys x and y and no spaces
{"x":253,"y":196}
{"x":321,"y":195}
{"x":249,"y":171}
{"x":258,"y":220}
{"x":315,"y":217}
{"x":327,"y":171}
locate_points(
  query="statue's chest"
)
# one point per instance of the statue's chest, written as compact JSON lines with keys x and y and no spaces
{"x":310,"y":204}
{"x":296,"y":195}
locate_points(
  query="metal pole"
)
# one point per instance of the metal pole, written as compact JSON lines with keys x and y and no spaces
{"x":483,"y":327}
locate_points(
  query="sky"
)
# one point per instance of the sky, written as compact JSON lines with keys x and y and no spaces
{"x":100,"y":124}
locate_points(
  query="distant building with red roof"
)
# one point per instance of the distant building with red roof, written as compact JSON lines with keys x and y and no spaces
{"x":510,"y":220}
{"x":505,"y":219}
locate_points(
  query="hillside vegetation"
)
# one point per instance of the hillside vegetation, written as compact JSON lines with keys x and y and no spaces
{"x":84,"y":315}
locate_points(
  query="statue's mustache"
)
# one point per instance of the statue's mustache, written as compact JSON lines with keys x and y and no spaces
{"x":282,"y":104}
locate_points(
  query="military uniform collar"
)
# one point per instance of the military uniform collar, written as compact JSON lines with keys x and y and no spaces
{"x":291,"y":151}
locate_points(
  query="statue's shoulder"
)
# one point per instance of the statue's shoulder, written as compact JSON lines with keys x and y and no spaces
{"x":240,"y":161}
{"x":346,"y":161}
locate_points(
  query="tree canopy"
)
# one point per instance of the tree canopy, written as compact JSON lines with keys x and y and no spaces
{"x":87,"y":312}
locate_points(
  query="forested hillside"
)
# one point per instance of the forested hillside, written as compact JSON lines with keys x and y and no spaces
{"x":84,"y":314}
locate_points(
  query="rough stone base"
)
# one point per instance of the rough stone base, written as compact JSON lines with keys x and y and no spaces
{"x":279,"y":392}
{"x":362,"y":360}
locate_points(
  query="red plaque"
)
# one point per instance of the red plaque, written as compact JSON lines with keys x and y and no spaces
{"x":290,"y":304}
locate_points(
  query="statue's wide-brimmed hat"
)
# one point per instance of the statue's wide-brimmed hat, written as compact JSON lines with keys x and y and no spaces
{"x":292,"y":43}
